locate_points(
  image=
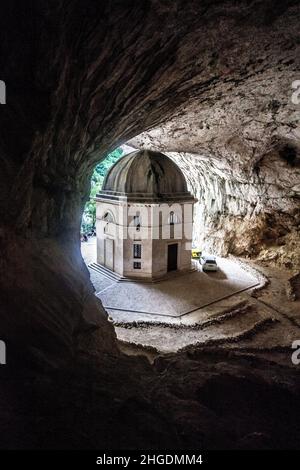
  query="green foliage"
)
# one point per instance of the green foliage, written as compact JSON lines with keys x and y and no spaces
{"x":89,"y":214}
{"x":102,"y":168}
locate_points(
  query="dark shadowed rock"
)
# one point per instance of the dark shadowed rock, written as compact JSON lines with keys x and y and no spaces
{"x":190,"y":77}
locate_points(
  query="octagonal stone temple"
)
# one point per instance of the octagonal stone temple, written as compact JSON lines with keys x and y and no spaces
{"x":144,"y":217}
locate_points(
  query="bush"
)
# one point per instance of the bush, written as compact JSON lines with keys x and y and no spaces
{"x":88,"y":222}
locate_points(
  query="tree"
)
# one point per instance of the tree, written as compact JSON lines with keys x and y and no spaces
{"x":89,"y":214}
{"x":102,"y":167}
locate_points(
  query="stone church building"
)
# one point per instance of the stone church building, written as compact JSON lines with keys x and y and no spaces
{"x":144,"y":217}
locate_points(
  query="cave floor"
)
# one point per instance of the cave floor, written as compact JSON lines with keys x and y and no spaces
{"x":222,"y":309}
{"x":175,"y":297}
{"x":178,"y":298}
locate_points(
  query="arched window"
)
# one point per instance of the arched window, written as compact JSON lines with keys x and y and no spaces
{"x":108,"y":217}
{"x":173,"y":218}
{"x":137,"y":222}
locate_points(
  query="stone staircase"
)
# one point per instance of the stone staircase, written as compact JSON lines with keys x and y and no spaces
{"x":106,"y":272}
{"x":113,"y":276}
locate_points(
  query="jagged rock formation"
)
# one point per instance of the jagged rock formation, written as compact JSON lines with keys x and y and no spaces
{"x":239,"y":146}
{"x":294,"y":287}
{"x":253,"y":215}
{"x":81,"y":78}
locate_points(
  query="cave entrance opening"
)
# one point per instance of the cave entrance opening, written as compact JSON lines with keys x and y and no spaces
{"x":88,"y":221}
{"x":88,"y":230}
{"x":178,"y":295}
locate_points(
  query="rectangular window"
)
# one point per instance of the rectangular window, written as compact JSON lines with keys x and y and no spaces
{"x":136,"y":265}
{"x":137,"y":250}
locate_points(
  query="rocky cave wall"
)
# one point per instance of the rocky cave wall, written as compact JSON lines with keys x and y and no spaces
{"x":238,"y":145}
{"x":254,"y":214}
{"x":83,"y":78}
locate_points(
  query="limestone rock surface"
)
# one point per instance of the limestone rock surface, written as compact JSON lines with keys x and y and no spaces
{"x":83,"y":77}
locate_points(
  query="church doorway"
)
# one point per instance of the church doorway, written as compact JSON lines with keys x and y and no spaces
{"x":172,"y":256}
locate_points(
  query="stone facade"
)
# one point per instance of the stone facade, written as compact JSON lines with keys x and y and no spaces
{"x":144,"y":217}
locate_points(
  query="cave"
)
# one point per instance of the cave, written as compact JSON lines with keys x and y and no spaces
{"x":210,"y":85}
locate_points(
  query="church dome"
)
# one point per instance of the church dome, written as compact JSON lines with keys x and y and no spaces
{"x":145,"y":175}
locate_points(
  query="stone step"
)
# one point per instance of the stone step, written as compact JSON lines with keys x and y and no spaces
{"x":167,"y":338}
{"x":240,"y":310}
{"x":118,"y":278}
{"x":105,"y":272}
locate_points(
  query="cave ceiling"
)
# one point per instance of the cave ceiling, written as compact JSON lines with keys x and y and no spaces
{"x":208,"y":82}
